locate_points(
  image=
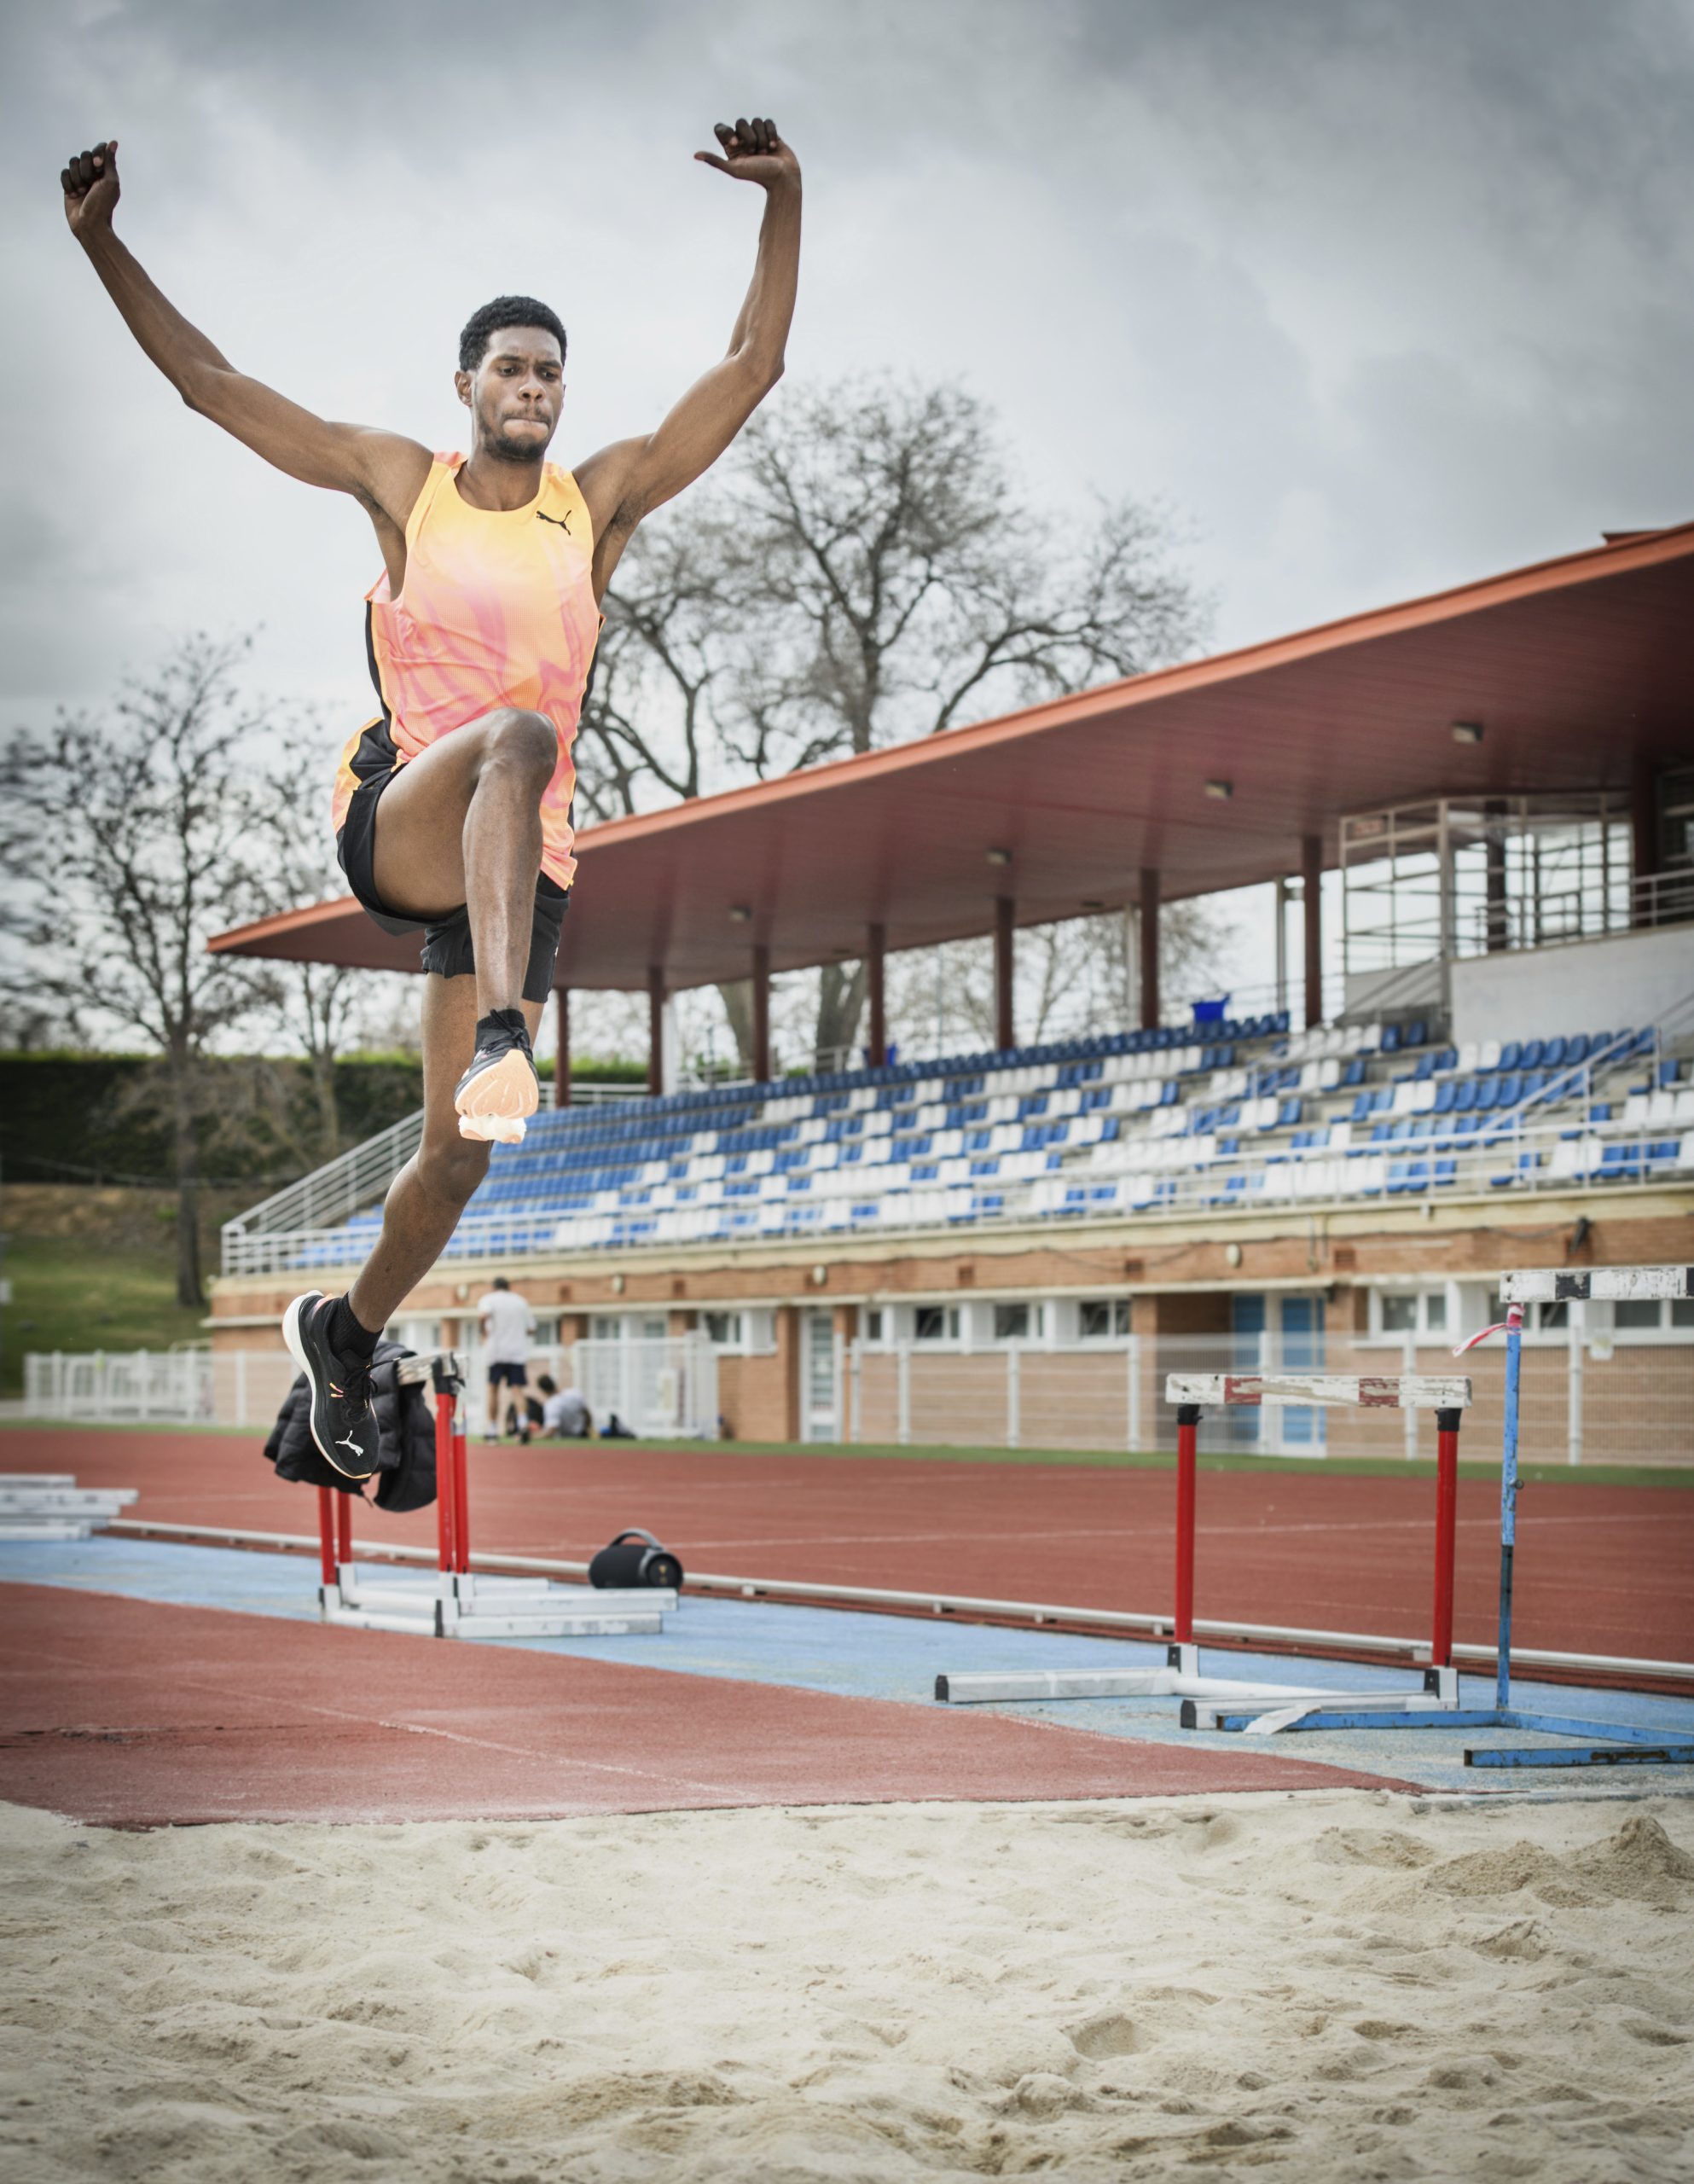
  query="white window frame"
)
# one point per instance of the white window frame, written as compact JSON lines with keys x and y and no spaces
{"x":1116,"y":1337}
{"x":1454,"y":1303}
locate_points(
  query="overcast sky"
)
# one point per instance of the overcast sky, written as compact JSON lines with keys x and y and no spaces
{"x":1376,"y":296}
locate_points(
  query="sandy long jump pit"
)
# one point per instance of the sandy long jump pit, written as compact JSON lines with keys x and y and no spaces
{"x":1339,"y":1985}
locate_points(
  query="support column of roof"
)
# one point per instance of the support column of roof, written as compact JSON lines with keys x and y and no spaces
{"x":1005,"y":910}
{"x":561,"y":1067}
{"x":876,"y":950}
{"x":1147,"y":938}
{"x":655,"y":1029}
{"x":761,"y":1014}
{"x":1312,"y":903}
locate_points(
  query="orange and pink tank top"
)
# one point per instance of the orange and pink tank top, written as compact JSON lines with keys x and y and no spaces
{"x":497,"y":608}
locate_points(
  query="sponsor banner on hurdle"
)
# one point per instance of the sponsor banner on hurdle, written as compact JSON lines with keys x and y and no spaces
{"x":1265,"y":1708}
{"x":1619,"y":1284}
{"x":1357,"y":1390}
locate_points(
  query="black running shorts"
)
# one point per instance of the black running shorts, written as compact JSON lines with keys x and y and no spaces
{"x":447,"y":950}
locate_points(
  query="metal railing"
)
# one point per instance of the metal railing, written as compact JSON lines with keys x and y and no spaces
{"x":360,"y":1178}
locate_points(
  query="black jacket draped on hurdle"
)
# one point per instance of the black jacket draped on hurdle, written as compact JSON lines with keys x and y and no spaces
{"x":405,"y":1428}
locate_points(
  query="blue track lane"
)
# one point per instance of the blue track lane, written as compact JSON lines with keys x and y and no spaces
{"x":859,"y":1656}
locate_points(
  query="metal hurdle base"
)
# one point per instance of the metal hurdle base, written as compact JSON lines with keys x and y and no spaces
{"x":466,"y":1603}
{"x":51,"y":1506}
{"x":1276,"y":1706}
{"x":1625,"y":1745}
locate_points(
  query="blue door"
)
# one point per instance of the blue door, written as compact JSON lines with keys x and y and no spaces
{"x":1245,"y":1427}
{"x":1303,"y":1352}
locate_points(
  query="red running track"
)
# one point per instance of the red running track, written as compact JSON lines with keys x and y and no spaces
{"x":1600,"y":1569}
{"x":126,"y":1713}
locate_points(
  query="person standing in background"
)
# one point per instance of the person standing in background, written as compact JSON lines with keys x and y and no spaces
{"x":507,"y":1324}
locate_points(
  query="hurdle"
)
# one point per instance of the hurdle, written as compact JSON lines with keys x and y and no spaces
{"x":1603,"y":1744}
{"x":41,"y":1505}
{"x":459,"y":1602}
{"x":1269,"y":1706}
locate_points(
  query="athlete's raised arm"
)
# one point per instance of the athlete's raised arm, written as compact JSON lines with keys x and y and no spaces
{"x":384,"y":470}
{"x":627,"y":481}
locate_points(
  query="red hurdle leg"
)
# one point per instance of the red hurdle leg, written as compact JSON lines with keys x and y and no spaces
{"x":1187,"y":1436}
{"x":326,"y":1534}
{"x":1446,"y":1523}
{"x":445,"y":1549}
{"x":344,"y":1529}
{"x":461,"y":1503}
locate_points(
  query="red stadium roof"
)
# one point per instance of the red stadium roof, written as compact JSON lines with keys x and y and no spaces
{"x":1579,"y":670}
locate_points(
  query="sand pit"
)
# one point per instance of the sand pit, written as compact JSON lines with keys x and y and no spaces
{"x":1338,"y":1985}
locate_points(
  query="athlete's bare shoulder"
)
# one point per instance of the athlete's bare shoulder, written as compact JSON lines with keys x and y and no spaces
{"x":604,"y":482}
{"x":392,"y":470}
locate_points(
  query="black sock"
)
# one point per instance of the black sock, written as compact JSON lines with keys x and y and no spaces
{"x":508,"y":1020}
{"x":347,"y":1336}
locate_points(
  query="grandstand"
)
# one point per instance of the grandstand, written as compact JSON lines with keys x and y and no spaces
{"x":1499,"y":1069}
{"x":1140,"y":1122}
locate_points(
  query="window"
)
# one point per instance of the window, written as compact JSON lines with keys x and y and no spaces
{"x":1635,"y":1313}
{"x":935,"y":1323}
{"x":1012,"y":1323}
{"x":723,"y":1329}
{"x":874,"y":1324}
{"x":1100,"y":1318}
{"x":1411,"y":1311}
{"x":1551,"y":1315}
{"x":1682,"y":1312}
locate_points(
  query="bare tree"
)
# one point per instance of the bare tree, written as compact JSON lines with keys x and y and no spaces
{"x":866,"y":570}
{"x":127,"y":839}
{"x":318,"y":1007}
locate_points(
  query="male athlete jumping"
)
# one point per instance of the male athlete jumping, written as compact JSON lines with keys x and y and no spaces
{"x":452,"y":809}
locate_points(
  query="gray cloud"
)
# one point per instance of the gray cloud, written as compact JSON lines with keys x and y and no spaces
{"x":1381,"y":296}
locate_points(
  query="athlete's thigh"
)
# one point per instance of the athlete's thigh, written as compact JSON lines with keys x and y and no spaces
{"x":418,"y":855}
{"x":448,"y":1027}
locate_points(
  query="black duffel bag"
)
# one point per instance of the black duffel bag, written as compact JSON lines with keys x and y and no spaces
{"x":405,"y":1429}
{"x":635,"y":1558}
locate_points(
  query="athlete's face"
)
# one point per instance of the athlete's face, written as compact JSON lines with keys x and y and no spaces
{"x":515,"y":393}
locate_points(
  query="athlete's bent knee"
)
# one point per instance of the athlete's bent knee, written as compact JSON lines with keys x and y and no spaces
{"x":525,"y":740}
{"x":453,"y":1169}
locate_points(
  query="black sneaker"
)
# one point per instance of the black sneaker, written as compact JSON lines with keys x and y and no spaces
{"x":499,"y":1088}
{"x":343,"y":1415}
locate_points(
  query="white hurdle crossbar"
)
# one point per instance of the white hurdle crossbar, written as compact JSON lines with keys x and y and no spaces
{"x":1270,"y":1706}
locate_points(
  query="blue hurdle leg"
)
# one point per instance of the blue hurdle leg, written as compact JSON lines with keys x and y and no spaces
{"x":1576,"y":1755}
{"x":1425,"y":1717}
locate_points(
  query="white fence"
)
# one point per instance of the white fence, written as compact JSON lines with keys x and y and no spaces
{"x":1581,"y":1403}
{"x":666,"y":1387}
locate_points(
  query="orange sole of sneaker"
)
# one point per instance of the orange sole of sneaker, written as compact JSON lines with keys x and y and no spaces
{"x":493,"y":1106}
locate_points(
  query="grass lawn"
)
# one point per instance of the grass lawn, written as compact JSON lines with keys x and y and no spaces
{"x":71,"y":1293}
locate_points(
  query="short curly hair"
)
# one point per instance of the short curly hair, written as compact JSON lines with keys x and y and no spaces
{"x":505,"y":310}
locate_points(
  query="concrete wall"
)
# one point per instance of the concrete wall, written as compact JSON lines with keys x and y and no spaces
{"x":1630,"y":980}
